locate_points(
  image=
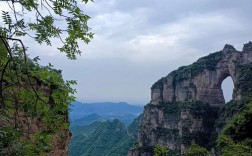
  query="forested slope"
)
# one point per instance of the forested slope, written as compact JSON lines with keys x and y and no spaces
{"x":110,"y":138}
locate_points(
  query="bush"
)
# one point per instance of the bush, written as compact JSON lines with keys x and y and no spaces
{"x":160,"y":151}
{"x":196,"y":150}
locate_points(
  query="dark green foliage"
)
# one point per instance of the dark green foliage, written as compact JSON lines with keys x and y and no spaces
{"x":8,"y":141}
{"x":110,"y":138}
{"x":160,"y":151}
{"x":145,"y":149}
{"x":99,"y":140}
{"x":229,"y":110}
{"x":196,"y":150}
{"x":236,"y":119}
{"x":41,"y":144}
{"x":159,"y":84}
{"x":239,"y":127}
{"x":245,"y":79}
{"x":175,"y":152}
{"x":187,"y":137}
{"x":228,"y":147}
{"x":31,"y":92}
{"x":58,"y":18}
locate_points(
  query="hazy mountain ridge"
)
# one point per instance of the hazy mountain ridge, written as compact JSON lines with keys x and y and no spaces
{"x":89,"y":119}
{"x":82,"y":114}
{"x":109,"y":138}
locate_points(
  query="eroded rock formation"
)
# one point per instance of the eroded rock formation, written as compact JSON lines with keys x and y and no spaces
{"x":201,"y":81}
{"x":184,"y":105}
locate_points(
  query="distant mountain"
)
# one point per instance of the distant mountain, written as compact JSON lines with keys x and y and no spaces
{"x":110,"y":138}
{"x":111,"y":110}
{"x":89,"y":119}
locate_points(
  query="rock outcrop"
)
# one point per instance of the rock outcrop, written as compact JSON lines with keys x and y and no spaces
{"x":34,"y":104}
{"x":201,"y":81}
{"x":184,"y":105}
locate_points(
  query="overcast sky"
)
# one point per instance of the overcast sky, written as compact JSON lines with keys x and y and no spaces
{"x":137,"y":42}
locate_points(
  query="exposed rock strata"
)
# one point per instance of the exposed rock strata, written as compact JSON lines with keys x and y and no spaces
{"x":185,"y":103}
{"x":201,"y":81}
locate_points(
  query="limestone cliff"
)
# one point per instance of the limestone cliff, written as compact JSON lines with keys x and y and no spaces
{"x":201,"y":81}
{"x":184,"y":105}
{"x":34,"y":104}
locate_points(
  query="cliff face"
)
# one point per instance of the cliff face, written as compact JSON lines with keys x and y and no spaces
{"x":31,"y":127}
{"x":34,"y":104}
{"x":201,"y":81}
{"x":184,"y":105}
{"x":34,"y":133}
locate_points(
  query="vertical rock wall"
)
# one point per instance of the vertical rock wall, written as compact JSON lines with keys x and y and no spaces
{"x":184,"y":104}
{"x":201,"y":81}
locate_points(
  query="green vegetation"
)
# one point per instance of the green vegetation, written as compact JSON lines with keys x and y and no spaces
{"x":71,"y":23}
{"x":186,"y":72}
{"x":228,"y":147}
{"x":160,"y":151}
{"x":34,"y":100}
{"x":235,"y":138}
{"x":32,"y":94}
{"x":245,"y":79}
{"x":147,"y":149}
{"x":196,"y":150}
{"x":109,"y":138}
{"x":235,"y":121}
{"x":240,"y":122}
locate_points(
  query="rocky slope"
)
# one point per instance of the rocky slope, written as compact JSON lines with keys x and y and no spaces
{"x":184,"y":106}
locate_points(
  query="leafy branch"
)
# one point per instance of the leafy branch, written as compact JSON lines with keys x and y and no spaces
{"x":43,"y":22}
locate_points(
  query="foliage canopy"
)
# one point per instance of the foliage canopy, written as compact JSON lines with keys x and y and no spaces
{"x":34,"y":99}
{"x":160,"y":151}
{"x":48,"y":19}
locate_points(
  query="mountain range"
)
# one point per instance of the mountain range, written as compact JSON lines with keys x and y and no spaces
{"x":82,"y":114}
{"x":109,"y":138}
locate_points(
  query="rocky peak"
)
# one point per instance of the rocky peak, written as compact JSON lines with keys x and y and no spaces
{"x":184,"y":105}
{"x":247,"y":47}
{"x":201,"y":81}
{"x":228,"y":48}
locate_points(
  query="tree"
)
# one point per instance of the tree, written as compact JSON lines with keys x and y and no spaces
{"x":30,"y":94}
{"x":48,"y":19}
{"x":160,"y":151}
{"x":196,"y":150}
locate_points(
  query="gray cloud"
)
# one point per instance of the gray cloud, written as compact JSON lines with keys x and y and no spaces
{"x":137,"y":42}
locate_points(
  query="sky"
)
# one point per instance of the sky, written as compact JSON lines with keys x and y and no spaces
{"x":137,"y":42}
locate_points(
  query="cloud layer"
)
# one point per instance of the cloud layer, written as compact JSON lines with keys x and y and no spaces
{"x":137,"y":42}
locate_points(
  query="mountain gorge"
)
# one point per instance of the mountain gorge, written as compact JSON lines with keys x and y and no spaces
{"x":109,"y":138}
{"x":187,"y":107}
{"x":103,"y":128}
